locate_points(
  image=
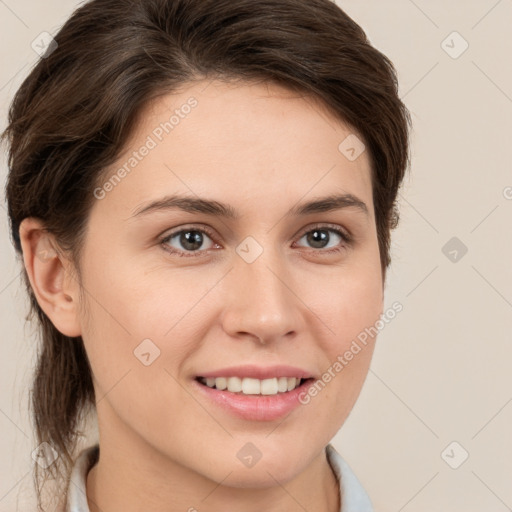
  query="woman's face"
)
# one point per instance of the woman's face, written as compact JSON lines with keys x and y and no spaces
{"x":203,"y":255}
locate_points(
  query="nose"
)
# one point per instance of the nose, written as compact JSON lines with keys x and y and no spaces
{"x":261,"y":300}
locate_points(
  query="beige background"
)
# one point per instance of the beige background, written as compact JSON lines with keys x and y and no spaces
{"x":442,"y":368}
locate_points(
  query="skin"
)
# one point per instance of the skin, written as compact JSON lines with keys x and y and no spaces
{"x":260,"y":149}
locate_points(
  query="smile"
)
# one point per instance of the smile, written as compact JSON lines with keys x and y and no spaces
{"x":250,"y":386}
{"x":253,"y":399}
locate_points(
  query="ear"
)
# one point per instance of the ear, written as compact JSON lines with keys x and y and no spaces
{"x":50,"y":274}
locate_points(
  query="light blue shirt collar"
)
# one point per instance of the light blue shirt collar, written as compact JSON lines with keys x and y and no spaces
{"x":354,"y":496}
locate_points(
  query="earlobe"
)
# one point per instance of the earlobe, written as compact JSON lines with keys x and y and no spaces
{"x":49,"y":270}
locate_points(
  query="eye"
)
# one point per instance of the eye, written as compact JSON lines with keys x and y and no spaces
{"x":193,"y":241}
{"x":321,"y":237}
{"x":190,"y":240}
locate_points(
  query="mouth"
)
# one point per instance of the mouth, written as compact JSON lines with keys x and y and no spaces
{"x":248,"y":386}
{"x":253,"y":399}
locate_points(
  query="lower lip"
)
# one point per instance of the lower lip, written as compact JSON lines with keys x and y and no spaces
{"x":256,"y":407}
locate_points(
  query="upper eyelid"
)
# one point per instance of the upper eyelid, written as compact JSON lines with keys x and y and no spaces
{"x":327,"y":226}
{"x":173,"y":232}
{"x":210,"y":232}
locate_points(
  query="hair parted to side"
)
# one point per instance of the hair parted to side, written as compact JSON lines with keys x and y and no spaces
{"x":74,"y":113}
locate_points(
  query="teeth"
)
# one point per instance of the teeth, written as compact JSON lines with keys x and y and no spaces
{"x":234,"y":384}
{"x":282,"y":384}
{"x":291,"y":383}
{"x":220,"y":383}
{"x":249,"y":386}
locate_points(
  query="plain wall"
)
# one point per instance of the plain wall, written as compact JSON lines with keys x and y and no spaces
{"x":441,"y":371}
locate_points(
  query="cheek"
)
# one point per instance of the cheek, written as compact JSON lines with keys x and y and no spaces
{"x":133,"y":311}
{"x":350,"y":308}
{"x":349,"y":301}
{"x":357,"y":308}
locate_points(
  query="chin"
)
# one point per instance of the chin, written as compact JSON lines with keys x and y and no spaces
{"x":260,"y":476}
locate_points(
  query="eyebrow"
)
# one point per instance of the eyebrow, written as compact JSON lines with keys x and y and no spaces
{"x":218,"y":209}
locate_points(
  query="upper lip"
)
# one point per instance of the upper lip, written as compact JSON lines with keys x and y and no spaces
{"x":259,"y":372}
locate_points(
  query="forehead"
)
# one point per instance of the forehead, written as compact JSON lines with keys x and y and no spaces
{"x":242,"y":141}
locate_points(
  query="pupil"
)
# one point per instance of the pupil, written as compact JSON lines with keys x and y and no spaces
{"x":191,"y":239}
{"x":318,"y":238}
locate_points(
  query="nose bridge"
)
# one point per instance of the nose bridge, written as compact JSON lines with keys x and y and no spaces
{"x":261,"y":302}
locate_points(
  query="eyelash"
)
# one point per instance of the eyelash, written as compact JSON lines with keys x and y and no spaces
{"x":345,"y":236}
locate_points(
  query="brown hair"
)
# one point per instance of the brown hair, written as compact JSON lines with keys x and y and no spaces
{"x":75,"y":111}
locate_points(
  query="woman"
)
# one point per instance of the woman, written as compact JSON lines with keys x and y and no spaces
{"x":202,"y":194}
